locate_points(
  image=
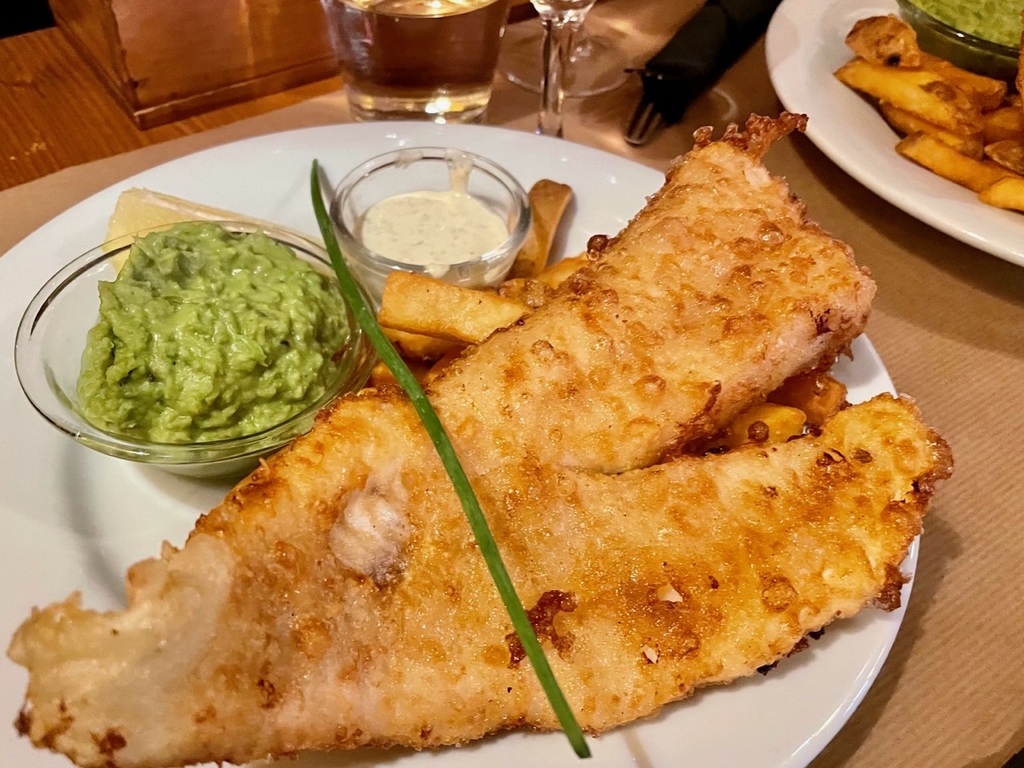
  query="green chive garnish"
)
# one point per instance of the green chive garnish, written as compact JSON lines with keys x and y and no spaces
{"x":367,"y":320}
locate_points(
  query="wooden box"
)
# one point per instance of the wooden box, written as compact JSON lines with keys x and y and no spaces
{"x":168,"y":59}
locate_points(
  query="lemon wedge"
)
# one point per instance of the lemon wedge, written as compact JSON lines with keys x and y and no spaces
{"x":140,"y":211}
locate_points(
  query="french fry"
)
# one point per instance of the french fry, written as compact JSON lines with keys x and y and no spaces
{"x":1004,"y":123}
{"x":1005,"y":193}
{"x":942,"y":159}
{"x":1009,"y":153}
{"x":818,"y":395}
{"x":764,"y":423}
{"x":381,"y":376}
{"x":918,"y":91}
{"x":890,"y":42}
{"x":417,"y":347}
{"x":985,"y":93}
{"x":419,"y":304}
{"x":885,"y":40}
{"x":548,"y":201}
{"x":958,"y":124}
{"x":560,"y":271}
{"x":906,"y":123}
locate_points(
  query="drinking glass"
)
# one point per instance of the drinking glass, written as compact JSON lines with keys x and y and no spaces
{"x":417,"y":59}
{"x":561,"y":21}
{"x":597,"y":65}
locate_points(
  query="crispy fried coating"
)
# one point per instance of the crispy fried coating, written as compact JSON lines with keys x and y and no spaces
{"x":713,"y":295}
{"x":336,"y":598}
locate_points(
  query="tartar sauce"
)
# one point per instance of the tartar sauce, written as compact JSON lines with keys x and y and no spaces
{"x":427,"y":228}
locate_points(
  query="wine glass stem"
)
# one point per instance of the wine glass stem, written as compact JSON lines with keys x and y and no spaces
{"x":559,"y":36}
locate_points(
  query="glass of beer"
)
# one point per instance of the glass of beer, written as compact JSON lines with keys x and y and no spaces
{"x":417,"y":59}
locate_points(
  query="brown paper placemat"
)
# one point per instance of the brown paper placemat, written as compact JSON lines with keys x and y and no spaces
{"x":949,"y":324}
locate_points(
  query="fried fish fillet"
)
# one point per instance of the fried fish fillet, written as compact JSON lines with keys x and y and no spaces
{"x":713,"y":295}
{"x":336,"y":598}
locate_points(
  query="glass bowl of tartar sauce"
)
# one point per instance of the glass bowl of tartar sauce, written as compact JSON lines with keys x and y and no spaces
{"x":437,"y":211}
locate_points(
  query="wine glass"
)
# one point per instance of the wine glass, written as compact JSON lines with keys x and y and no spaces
{"x":597,"y":65}
{"x":561,"y":21}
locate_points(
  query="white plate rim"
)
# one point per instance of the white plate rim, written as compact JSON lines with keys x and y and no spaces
{"x":814,"y":693}
{"x":854,"y":136}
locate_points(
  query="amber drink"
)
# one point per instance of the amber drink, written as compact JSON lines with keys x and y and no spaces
{"x":417,"y":59}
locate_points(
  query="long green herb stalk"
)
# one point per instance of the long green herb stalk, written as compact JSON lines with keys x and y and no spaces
{"x":478,"y":523}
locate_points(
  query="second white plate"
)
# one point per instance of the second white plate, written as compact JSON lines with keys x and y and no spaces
{"x":804,"y":46}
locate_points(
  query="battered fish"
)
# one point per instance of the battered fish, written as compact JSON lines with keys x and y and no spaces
{"x":336,"y":598}
{"x":716,"y":292}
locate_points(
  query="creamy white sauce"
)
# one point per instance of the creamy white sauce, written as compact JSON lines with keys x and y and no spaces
{"x":432,"y":228}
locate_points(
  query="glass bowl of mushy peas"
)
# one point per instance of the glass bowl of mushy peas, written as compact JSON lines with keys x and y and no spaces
{"x":982,"y":36}
{"x":198,"y":348}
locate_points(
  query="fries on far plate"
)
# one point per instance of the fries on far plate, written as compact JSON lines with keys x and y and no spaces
{"x":908,"y":124}
{"x":918,"y":91}
{"x":986,"y":93}
{"x":885,"y":40}
{"x":1009,"y":153}
{"x":960,"y":125}
{"x":1005,"y":193}
{"x":941,"y":158}
{"x":1003,"y":123}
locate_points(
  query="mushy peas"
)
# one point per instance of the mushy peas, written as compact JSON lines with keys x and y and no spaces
{"x":997,"y":21}
{"x":207,"y":334}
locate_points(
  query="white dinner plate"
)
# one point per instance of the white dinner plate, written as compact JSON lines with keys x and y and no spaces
{"x":72,"y":519}
{"x":803,"y":47}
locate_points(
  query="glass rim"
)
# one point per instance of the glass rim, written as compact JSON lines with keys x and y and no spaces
{"x":36,"y":380}
{"x":407,"y":156}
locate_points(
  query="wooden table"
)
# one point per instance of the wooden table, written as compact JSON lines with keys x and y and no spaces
{"x":948,"y":321}
{"x":57,"y":113}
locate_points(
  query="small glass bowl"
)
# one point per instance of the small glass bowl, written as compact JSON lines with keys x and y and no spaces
{"x":417,"y":169}
{"x":960,"y":48}
{"x":48,"y":356}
